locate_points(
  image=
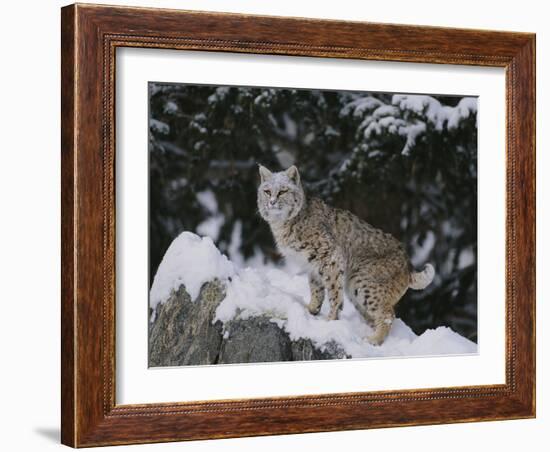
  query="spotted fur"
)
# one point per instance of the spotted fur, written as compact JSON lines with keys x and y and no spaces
{"x":340,"y":252}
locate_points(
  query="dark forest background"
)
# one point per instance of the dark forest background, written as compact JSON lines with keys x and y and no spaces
{"x":406,"y":164}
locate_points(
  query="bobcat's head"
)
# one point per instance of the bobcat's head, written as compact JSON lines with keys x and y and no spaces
{"x":280,"y":195}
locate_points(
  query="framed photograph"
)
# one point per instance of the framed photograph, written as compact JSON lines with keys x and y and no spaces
{"x":281,"y":225}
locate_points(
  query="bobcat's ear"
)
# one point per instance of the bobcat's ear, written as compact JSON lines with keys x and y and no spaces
{"x":265,"y":174}
{"x":293,"y":174}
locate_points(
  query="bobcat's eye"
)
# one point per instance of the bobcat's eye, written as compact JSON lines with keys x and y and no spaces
{"x":267,"y":192}
{"x":282,"y":192}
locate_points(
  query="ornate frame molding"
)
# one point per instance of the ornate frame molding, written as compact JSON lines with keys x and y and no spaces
{"x":90,"y":36}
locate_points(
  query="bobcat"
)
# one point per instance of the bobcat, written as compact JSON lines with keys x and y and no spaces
{"x":339,"y":252}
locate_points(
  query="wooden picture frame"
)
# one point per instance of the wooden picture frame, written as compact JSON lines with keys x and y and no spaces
{"x":90,"y":36}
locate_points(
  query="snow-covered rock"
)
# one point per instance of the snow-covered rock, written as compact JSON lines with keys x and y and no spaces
{"x":184,"y":332}
{"x":259,"y":314}
{"x":190,"y":261}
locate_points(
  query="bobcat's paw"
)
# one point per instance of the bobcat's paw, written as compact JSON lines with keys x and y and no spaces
{"x":374,"y":340}
{"x":313,"y":309}
{"x":333,"y":315}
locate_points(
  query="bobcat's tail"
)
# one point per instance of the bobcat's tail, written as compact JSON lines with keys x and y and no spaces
{"x":421,"y":280}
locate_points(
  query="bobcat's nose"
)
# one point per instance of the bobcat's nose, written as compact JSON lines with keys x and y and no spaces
{"x":272,"y":202}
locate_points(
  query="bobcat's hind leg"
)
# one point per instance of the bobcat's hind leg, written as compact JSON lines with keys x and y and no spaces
{"x":383,"y":321}
{"x":317,"y":290}
{"x":375,"y":290}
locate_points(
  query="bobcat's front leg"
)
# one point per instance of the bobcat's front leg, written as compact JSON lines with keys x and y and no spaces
{"x":327,"y":262}
{"x":332,"y":275}
{"x":317,"y":293}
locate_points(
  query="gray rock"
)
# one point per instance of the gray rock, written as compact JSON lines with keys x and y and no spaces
{"x":255,"y":340}
{"x":304,"y":350}
{"x":183,"y":334}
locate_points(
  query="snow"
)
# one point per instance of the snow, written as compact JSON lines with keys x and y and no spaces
{"x":421,"y":252}
{"x":219,"y":95}
{"x":378,"y":118}
{"x":212,"y":225}
{"x":466,"y":258}
{"x":371,"y":128}
{"x":385,"y":110}
{"x":361,"y":105}
{"x":411,"y":132}
{"x":170,"y":107}
{"x":331,"y":132}
{"x":207,"y":199}
{"x":178,"y":184}
{"x":159,"y":126}
{"x":465,"y":107}
{"x":192,"y":261}
{"x":291,"y":128}
{"x":439,"y":115}
{"x":282,"y":295}
{"x":235,"y":243}
{"x":375,"y":153}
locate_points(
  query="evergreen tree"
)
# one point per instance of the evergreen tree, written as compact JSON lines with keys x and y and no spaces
{"x":405,"y":163}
